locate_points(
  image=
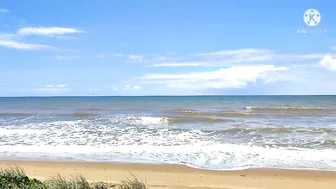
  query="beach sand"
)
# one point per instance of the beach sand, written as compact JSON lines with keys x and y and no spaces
{"x":181,"y":177}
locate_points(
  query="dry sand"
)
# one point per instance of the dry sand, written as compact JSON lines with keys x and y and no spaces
{"x":182,"y":177}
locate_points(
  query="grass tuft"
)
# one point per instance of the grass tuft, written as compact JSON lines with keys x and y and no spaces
{"x":134,"y":183}
{"x":101,"y":185}
{"x":16,"y":178}
{"x":12,"y":171}
{"x":77,"y":182}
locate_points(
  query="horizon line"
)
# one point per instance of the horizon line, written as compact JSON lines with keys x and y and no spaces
{"x":167,"y":95}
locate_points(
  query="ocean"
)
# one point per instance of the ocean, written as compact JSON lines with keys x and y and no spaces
{"x":206,"y":132}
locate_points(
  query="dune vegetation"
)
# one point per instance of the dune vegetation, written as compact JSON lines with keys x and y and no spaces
{"x":15,"y":178}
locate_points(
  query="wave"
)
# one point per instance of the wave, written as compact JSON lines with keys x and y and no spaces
{"x":198,"y":120}
{"x":15,"y":114}
{"x":199,"y":155}
{"x":147,"y":120}
{"x":125,"y":120}
{"x":291,"y":108}
{"x":235,"y":114}
{"x":278,"y":130}
{"x":24,"y":132}
{"x":101,"y":139}
{"x":144,"y":123}
{"x":37,"y":114}
{"x":211,"y":113}
{"x":155,"y":120}
{"x":95,"y":109}
{"x":50,"y":107}
{"x":184,"y":111}
{"x":79,"y":114}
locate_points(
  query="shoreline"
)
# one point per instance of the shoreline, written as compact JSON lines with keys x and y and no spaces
{"x":160,"y":164}
{"x":180,"y":176}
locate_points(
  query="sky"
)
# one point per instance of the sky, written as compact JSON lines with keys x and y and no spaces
{"x":166,"y":47}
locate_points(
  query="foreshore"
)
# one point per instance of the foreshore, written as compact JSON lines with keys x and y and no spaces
{"x":182,"y":177}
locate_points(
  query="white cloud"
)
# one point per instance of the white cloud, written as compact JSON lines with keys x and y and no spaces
{"x":137,"y":87}
{"x":233,"y":77}
{"x":182,"y":64}
{"x":243,"y":71}
{"x":5,"y":10}
{"x":225,"y":58}
{"x":65,"y":37}
{"x":76,"y":57}
{"x":47,"y":31}
{"x":25,"y":46}
{"x":257,"y":55}
{"x":238,"y":56}
{"x":299,"y":79}
{"x":136,"y":58}
{"x":53,"y":88}
{"x":236,"y":52}
{"x":68,"y":57}
{"x":129,"y":87}
{"x":329,"y":63}
{"x":298,"y":57}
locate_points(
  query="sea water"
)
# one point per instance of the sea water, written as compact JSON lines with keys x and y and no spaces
{"x":207,"y":132}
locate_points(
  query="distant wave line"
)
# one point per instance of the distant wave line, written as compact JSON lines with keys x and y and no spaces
{"x":292,"y":108}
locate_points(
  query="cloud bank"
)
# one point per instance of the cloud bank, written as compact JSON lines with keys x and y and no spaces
{"x":23,"y":46}
{"x":47,"y":31}
{"x":329,"y":63}
{"x":232,"y":77}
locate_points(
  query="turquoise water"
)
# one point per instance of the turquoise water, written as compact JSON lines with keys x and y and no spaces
{"x":208,"y":132}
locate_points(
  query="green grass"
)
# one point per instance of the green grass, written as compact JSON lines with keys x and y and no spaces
{"x":134,"y":183}
{"x":77,"y":182}
{"x":15,"y":178}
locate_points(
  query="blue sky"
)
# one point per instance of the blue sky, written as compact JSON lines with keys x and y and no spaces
{"x":166,"y":47}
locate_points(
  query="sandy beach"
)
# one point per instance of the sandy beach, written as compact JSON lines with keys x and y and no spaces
{"x":176,"y":176}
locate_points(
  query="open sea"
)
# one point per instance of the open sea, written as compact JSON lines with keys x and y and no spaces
{"x":207,"y":132}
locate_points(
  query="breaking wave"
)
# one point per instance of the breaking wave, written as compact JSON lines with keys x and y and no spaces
{"x":276,"y":130}
{"x":291,"y":108}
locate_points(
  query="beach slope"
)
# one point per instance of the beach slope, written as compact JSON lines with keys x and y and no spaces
{"x":182,"y":177}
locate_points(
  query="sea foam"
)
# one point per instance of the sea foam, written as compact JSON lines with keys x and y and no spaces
{"x":144,"y":138}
